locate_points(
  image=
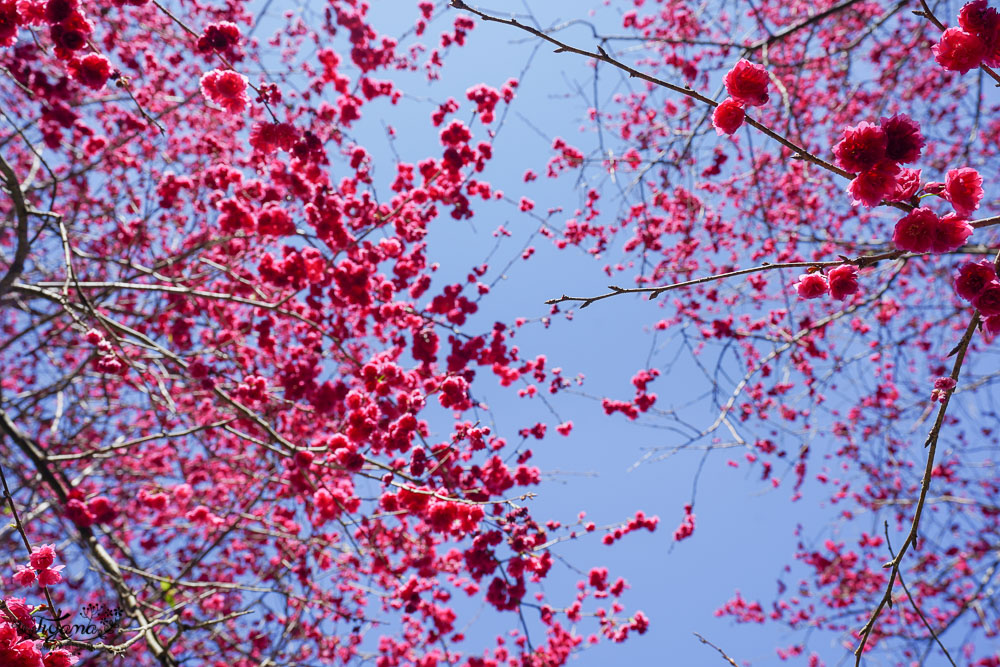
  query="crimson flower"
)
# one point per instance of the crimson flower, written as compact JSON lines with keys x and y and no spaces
{"x":862,"y":147}
{"x":9,"y":22}
{"x":959,"y":51}
{"x":907,"y":185}
{"x":869,"y":187}
{"x":904,"y":141}
{"x":728,"y":117}
{"x":843,"y":281}
{"x":92,"y":70}
{"x":950,"y":233}
{"x":988,"y":301}
{"x":973,"y":277}
{"x":226,"y":88}
{"x":915,"y":232}
{"x":42,"y":557}
{"x":978,"y":18}
{"x":220,"y":36}
{"x":964,"y":189}
{"x":747,"y":83}
{"x":811,"y":285}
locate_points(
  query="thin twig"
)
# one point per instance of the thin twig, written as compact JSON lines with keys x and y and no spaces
{"x":723,"y":653}
{"x":925,"y":483}
{"x":914,"y":603}
{"x":862,"y":262}
{"x":601,"y":55}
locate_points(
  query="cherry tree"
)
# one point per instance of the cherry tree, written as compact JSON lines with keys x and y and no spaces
{"x":241,"y":408}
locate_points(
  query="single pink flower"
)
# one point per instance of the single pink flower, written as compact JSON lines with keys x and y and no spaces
{"x":92,"y":70}
{"x":51,"y":576}
{"x":915,"y":231}
{"x":944,"y":383}
{"x":25,"y":653}
{"x":70,"y":34}
{"x":811,"y":285}
{"x":950,"y":233}
{"x":269,"y":137}
{"x":871,"y":186}
{"x":747,"y":83}
{"x":219,"y":37}
{"x":907,"y":185}
{"x":973,"y":277}
{"x":43,"y":557}
{"x":964,"y":189}
{"x":904,"y":141}
{"x":977,"y":17}
{"x":988,"y":301}
{"x":843,"y":281}
{"x":24,"y":576}
{"x":942,"y":387}
{"x":959,"y":51}
{"x":226,"y":88}
{"x":728,"y":117}
{"x":861,"y":147}
{"x":59,"y":10}
{"x":22,"y":612}
{"x":104,"y":510}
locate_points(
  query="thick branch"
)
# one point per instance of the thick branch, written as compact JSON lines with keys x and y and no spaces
{"x":21,"y":213}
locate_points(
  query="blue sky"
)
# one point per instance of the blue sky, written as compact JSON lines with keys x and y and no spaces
{"x":745,"y":529}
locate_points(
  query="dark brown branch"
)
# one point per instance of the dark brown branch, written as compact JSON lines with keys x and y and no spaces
{"x":861,"y":262}
{"x":925,"y":483}
{"x":601,"y":55}
{"x":21,"y":213}
{"x":816,"y":18}
{"x":914,"y":603}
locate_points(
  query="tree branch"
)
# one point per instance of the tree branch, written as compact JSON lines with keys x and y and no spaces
{"x":21,"y":213}
{"x":925,"y":483}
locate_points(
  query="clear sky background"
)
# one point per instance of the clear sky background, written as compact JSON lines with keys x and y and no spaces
{"x":745,"y":529}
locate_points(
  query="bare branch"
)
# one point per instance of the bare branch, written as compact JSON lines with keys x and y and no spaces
{"x":723,"y":653}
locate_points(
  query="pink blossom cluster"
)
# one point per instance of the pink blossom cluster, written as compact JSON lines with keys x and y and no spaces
{"x":922,"y":230}
{"x":977,"y":283}
{"x":747,"y":86}
{"x":975,"y":42}
{"x":840,"y":282}
{"x":943,"y":386}
{"x":19,"y":645}
{"x":40,"y":568}
{"x":639,"y":521}
{"x":874,"y":153}
{"x":69,"y":30}
{"x":106,"y":360}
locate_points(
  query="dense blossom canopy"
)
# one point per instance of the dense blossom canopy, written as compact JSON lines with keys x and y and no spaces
{"x":242,"y":405}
